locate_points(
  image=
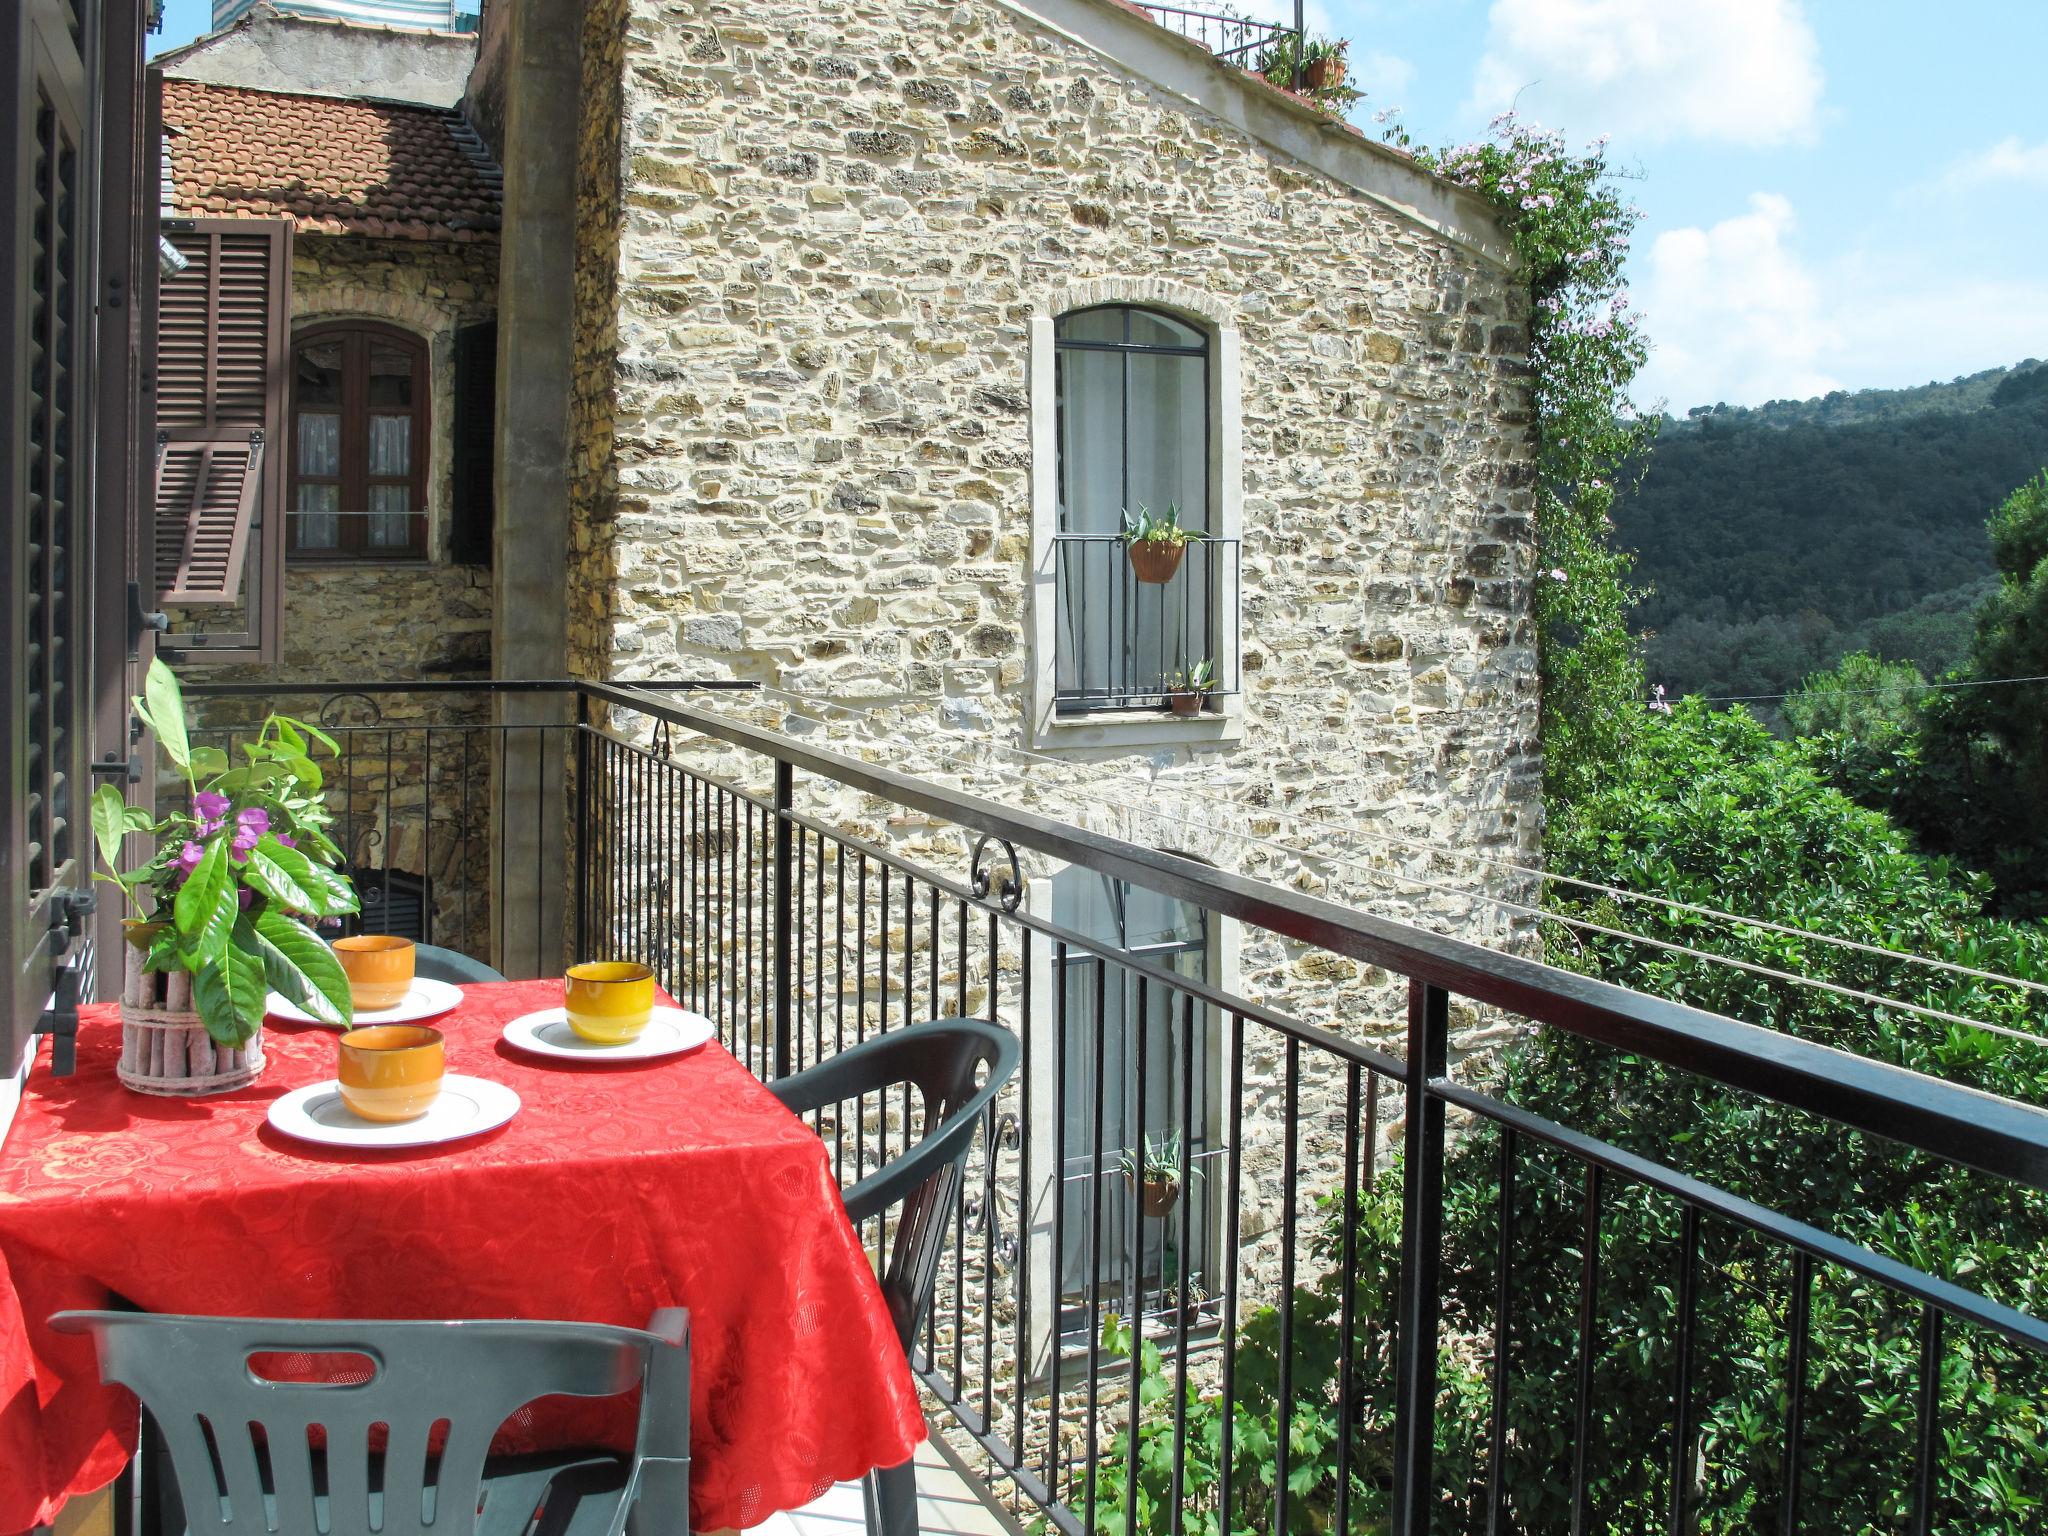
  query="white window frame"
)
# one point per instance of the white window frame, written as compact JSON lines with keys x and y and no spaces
{"x":1046,"y":727}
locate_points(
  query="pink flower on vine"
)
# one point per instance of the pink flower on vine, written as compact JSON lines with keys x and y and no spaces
{"x":250,"y":825}
{"x":212,"y":810}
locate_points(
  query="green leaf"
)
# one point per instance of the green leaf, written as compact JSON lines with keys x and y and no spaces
{"x":166,"y":712}
{"x":298,"y":964}
{"x":206,"y":907}
{"x":207,"y":761}
{"x":286,"y":875}
{"x":228,"y":993}
{"x":109,"y":823}
{"x":306,"y":727}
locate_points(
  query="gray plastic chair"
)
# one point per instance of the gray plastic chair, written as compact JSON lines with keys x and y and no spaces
{"x":438,"y":964}
{"x":244,"y":1464}
{"x":942,"y":1060}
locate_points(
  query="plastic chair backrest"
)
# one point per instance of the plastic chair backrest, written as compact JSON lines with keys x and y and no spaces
{"x":942,"y":1060}
{"x":225,"y":1422}
{"x":438,"y":964}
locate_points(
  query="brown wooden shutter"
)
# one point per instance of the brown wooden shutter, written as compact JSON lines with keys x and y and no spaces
{"x":223,"y":359}
{"x":49,"y":305}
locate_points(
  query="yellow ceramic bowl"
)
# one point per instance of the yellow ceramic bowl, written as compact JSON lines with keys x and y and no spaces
{"x":391,"y":1071}
{"x":378,"y":967}
{"x":609,"y":1001}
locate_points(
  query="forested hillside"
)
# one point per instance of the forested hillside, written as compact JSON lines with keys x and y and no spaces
{"x":1778,"y":539}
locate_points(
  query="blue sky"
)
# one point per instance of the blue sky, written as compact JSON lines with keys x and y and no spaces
{"x":1836,"y":193}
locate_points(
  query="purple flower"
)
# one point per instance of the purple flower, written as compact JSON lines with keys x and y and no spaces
{"x":188,"y":860}
{"x":246,"y":898}
{"x":250,"y":825}
{"x":212,"y":809}
{"x":287,"y":839}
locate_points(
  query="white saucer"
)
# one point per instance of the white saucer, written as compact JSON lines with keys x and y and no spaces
{"x":428,"y":999}
{"x":669,"y":1033}
{"x":468,"y":1106}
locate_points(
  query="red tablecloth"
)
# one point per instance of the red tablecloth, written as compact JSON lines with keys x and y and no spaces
{"x":611,"y":1193}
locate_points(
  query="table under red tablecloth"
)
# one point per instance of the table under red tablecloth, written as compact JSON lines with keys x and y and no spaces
{"x":612,"y":1192}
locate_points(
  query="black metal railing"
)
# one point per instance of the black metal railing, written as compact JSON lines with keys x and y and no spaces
{"x":1122,"y":644}
{"x":1228,"y":35}
{"x":1344,"y":1315}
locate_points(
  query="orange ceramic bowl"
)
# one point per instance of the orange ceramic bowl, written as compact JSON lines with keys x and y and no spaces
{"x":609,"y":1001}
{"x":378,"y":967}
{"x":391,"y":1071}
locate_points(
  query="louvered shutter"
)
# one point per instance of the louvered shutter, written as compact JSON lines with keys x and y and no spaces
{"x":47,"y":329}
{"x":223,"y":354}
{"x":474,"y":462}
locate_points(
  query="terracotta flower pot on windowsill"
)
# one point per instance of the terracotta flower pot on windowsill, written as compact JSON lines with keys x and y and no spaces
{"x":1323,"y":74}
{"x":1185,"y":702}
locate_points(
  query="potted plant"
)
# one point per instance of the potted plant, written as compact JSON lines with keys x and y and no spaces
{"x":1156,"y":1175}
{"x":1313,"y":67}
{"x":1156,"y":544}
{"x":1185,"y":691}
{"x":225,"y":901}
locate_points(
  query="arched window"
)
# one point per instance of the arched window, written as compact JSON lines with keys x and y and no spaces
{"x":1133,"y":390}
{"x":359,"y":444}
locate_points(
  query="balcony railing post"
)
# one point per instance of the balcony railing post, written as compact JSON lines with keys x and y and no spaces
{"x":1422,"y":1232}
{"x":1300,"y":42}
{"x":582,"y":832}
{"x":785,"y":908}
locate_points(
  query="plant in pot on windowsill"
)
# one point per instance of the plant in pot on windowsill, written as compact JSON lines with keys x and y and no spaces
{"x":1156,"y":544}
{"x":1186,"y":692}
{"x":1155,"y":1176}
{"x":230,"y":892}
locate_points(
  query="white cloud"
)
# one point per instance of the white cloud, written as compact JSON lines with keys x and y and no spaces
{"x":1736,"y":313}
{"x":1385,"y":77}
{"x":2007,"y":160}
{"x":1737,"y":71}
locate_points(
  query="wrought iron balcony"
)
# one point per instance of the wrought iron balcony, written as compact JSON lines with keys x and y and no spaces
{"x":1125,"y":644}
{"x":1316,"y":1353}
{"x":1228,"y":35}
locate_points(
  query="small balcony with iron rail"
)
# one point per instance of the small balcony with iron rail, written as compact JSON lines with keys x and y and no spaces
{"x":1124,"y":643}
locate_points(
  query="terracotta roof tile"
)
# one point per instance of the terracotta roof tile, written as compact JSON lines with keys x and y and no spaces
{"x":334,"y":166}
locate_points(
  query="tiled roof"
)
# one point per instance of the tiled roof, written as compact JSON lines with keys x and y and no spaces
{"x":335,"y":166}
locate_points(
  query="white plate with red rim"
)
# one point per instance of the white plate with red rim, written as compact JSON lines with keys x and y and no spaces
{"x":670,"y":1032}
{"x":468,"y":1106}
{"x":428,"y":999}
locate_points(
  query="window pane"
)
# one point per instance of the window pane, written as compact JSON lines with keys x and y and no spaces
{"x":1155,"y":330}
{"x":1091,"y":410}
{"x":390,"y":376}
{"x":391,"y":445}
{"x":320,"y":443}
{"x":1092,"y":325}
{"x":317,"y":369}
{"x":1169,"y":443}
{"x":390,"y":526}
{"x":318,"y":526}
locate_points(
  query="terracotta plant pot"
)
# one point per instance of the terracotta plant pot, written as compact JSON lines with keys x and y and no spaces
{"x":1323,"y":74}
{"x":1158,"y":1194}
{"x":165,"y":1049}
{"x":1155,"y":560}
{"x":1185,"y":701}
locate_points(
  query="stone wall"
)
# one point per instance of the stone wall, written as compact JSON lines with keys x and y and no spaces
{"x":389,"y":622}
{"x":836,"y":229}
{"x":806,"y":458}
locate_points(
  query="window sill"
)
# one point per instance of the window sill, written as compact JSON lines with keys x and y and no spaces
{"x":361,"y":563}
{"x":1139,"y":728}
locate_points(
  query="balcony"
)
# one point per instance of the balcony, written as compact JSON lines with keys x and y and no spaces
{"x":1299,"y":1369}
{"x":1125,"y":644}
{"x":1237,"y":39}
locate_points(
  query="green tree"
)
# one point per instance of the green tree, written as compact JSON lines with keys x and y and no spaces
{"x":1986,"y":748}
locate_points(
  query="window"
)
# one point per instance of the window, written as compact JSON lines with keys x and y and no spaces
{"x":1132,"y":389}
{"x":1156,"y":1055}
{"x":359,"y":444}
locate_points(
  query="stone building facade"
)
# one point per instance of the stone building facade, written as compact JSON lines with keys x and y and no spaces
{"x":822,"y":255}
